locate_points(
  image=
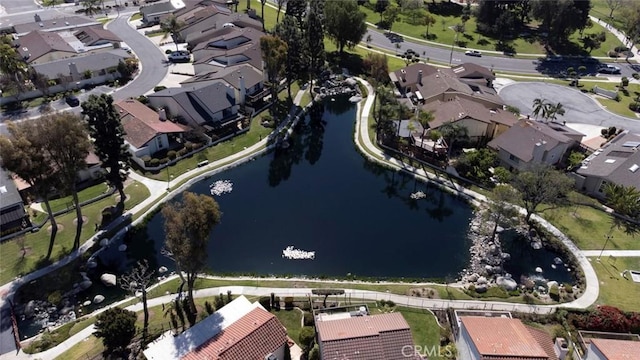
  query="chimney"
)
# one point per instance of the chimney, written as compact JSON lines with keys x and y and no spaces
{"x":162,"y":114}
{"x":420,"y":77}
{"x":403,"y":74}
{"x":37,"y":18}
{"x":73,"y":71}
{"x":243,"y":90}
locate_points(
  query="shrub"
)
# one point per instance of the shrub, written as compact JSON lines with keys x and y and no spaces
{"x":617,"y":98}
{"x":209,"y":308}
{"x":154,"y":162}
{"x":55,"y":298}
{"x":276,"y":303}
{"x":472,"y":288}
{"x":635,"y":106}
{"x":554,"y":293}
{"x":288,"y":302}
{"x":143,"y":99}
{"x":182,"y":152}
{"x":159,"y":88}
{"x":308,"y":319}
{"x":168,"y":51}
{"x":568,"y":288}
{"x":306,"y":337}
{"x":116,"y":327}
{"x":624,"y":81}
{"x":171,"y":154}
{"x":265,"y":301}
{"x":146,"y":159}
{"x":314,"y":354}
{"x":164,"y":161}
{"x":635,"y":76}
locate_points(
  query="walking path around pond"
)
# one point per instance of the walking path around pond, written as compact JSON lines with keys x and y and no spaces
{"x":614,"y":253}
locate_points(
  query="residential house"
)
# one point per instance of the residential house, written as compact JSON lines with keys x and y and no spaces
{"x":530,"y":142}
{"x":93,"y":171}
{"x":481,"y":122}
{"x":617,"y":162}
{"x":96,"y":35}
{"x":146,"y":131}
{"x":154,"y":13}
{"x":364,"y":337}
{"x":472,"y":71}
{"x":239,"y":330}
{"x":208,"y":105}
{"x":89,"y":69}
{"x":53,"y":25}
{"x":247,"y":82}
{"x":216,"y":60}
{"x":486,"y":338}
{"x":206,"y":27}
{"x":39,"y":47}
{"x":228,"y":38}
{"x":12,"y":215}
{"x":612,"y":349}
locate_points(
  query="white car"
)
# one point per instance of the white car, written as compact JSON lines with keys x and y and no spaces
{"x":181,"y":55}
{"x":475,"y":53}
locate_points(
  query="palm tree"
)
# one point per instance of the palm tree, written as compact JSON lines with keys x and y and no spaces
{"x":539,"y":107}
{"x":262,"y":3}
{"x":424,"y":118}
{"x":553,"y":110}
{"x":452,"y":132}
{"x":171,"y":26}
{"x":625,"y":200}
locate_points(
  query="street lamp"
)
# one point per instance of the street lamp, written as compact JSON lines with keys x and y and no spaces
{"x":608,"y":237}
{"x":455,"y":40}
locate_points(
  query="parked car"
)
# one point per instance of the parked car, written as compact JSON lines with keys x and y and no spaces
{"x":475,"y":53}
{"x":609,"y":69}
{"x":181,"y":55}
{"x":72,"y":100}
{"x":554,"y":58}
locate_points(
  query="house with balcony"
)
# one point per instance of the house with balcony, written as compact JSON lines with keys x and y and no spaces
{"x":12,"y":214}
{"x":246,"y":81}
{"x":530,"y":142}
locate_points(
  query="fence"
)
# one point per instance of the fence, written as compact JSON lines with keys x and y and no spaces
{"x":604,"y":92}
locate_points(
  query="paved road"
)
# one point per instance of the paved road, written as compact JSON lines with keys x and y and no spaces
{"x":580,"y":108}
{"x":152,"y":66}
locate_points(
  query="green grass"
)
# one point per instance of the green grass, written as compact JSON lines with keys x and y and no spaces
{"x":443,"y":34}
{"x":587,"y":228}
{"x":136,"y":16}
{"x":306,"y":99}
{"x":270,"y":14}
{"x":90,"y":348}
{"x":84,"y":195}
{"x":600,"y":10}
{"x":36,"y":244}
{"x":292,"y":321}
{"x":58,"y":336}
{"x":620,"y":107}
{"x":614,"y":289}
{"x":424,"y":327}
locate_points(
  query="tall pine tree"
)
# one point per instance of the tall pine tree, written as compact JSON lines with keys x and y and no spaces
{"x":315,"y":38}
{"x":108,"y":139}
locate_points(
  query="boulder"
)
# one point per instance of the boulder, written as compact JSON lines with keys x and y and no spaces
{"x":499,"y":229}
{"x":162,"y":269}
{"x":104,"y":242}
{"x":30,"y":308}
{"x":539,"y":270}
{"x":482,"y":280}
{"x":86,"y":303}
{"x":85,"y":284}
{"x":551,"y":284}
{"x":481,"y":289}
{"x":506,"y":283}
{"x":108,"y":279}
{"x":557,"y":261}
{"x":506,"y":256}
{"x":473,"y":277}
{"x":98,"y":299}
{"x":122,"y":247}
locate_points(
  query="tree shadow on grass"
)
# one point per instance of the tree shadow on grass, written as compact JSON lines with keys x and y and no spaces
{"x":352,"y":62}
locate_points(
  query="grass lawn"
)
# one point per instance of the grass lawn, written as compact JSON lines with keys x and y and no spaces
{"x":292,"y":321}
{"x":136,"y":16}
{"x":270,"y":14}
{"x":614,"y":289}
{"x":442,"y":33}
{"x":424,"y":327}
{"x":626,"y":97}
{"x":90,"y":348}
{"x":14,"y":264}
{"x":84,"y":195}
{"x":601,"y":10}
{"x":587,"y":228}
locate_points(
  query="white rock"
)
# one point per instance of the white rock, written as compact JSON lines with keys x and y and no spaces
{"x":122,"y":247}
{"x":29,"y":309}
{"x":98,"y":299}
{"x":482,"y":280}
{"x":473,"y":277}
{"x":506,"y":256}
{"x":539,"y":270}
{"x":108,"y":279}
{"x":86,"y":303}
{"x":104,"y":242}
{"x":553,"y":266}
{"x":537,"y":245}
{"x":481,"y":289}
{"x":557,"y":261}
{"x":506,"y":283}
{"x":551,"y":284}
{"x":499,"y":229}
{"x":162,"y":269}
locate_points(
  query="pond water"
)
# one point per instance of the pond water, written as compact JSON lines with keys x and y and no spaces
{"x":321,"y":195}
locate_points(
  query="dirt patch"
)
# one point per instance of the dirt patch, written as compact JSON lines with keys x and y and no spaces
{"x":423,"y":292}
{"x":84,"y":221}
{"x":126,"y":198}
{"x":27,"y":251}
{"x":60,"y":228}
{"x":141,"y":315}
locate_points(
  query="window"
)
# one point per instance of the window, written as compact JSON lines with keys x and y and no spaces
{"x":514,"y":158}
{"x":159,"y":142}
{"x":602,"y":186}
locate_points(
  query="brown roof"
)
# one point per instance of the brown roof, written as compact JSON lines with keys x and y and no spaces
{"x":247,"y":34}
{"x":91,"y":35}
{"x":522,"y":139}
{"x":410,"y":75}
{"x":38,"y":43}
{"x":615,"y":161}
{"x":472,"y":71}
{"x":251,"y":337}
{"x":142,"y":124}
{"x":246,"y":54}
{"x":617,"y":349}
{"x":498,"y":337}
{"x":377,"y":337}
{"x":463,"y":108}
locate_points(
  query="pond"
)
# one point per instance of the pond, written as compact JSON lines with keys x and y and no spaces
{"x":320,"y":195}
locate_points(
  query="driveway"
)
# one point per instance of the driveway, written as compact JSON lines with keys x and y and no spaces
{"x":580,"y":108}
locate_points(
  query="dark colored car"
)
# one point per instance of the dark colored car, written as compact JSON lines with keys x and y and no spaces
{"x":72,"y":100}
{"x":609,"y":69}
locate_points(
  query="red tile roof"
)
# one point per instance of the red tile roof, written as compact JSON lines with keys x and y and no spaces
{"x":617,"y":349}
{"x":377,"y":337}
{"x":141,"y":123}
{"x":498,"y":337}
{"x":251,"y":337}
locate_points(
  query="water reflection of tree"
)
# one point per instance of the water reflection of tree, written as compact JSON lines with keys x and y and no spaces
{"x":315,"y":138}
{"x":284,"y":159}
{"x":340,"y":105}
{"x":440,"y":211}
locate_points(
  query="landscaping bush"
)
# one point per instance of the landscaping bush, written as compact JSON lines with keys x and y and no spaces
{"x":55,"y":298}
{"x":635,"y":106}
{"x":554,"y":293}
{"x":171,"y":154}
{"x":276,"y":303}
{"x":182,"y":152}
{"x":568,"y":288}
{"x":606,"y":318}
{"x":314,"y":354}
{"x":159,"y":88}
{"x":154,"y":162}
{"x":164,"y":161}
{"x":624,"y":81}
{"x":146,"y":159}
{"x":635,"y":76}
{"x":168,"y":51}
{"x":265,"y":301}
{"x":308,"y":319}
{"x":306,"y":337}
{"x":288,"y":302}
